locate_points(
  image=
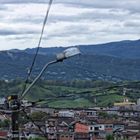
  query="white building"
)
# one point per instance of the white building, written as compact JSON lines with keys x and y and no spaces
{"x":66,"y":113}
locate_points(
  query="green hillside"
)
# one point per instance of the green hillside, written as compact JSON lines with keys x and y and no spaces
{"x":73,"y":93}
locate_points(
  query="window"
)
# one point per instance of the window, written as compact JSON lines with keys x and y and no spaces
{"x":91,"y":128}
{"x":96,"y":128}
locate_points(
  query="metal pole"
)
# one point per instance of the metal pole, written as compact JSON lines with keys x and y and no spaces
{"x":36,"y":79}
{"x":15,"y":125}
{"x":15,"y":106}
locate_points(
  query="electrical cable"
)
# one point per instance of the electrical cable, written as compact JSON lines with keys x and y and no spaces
{"x":39,"y":128}
{"x":38,"y":46}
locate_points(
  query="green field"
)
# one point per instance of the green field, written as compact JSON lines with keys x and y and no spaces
{"x":73,"y":94}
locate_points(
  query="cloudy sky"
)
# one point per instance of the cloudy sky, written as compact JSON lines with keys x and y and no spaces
{"x":70,"y":22}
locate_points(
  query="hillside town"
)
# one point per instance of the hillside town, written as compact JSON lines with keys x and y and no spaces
{"x":120,"y":122}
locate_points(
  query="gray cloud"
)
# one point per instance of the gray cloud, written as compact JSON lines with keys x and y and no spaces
{"x":29,"y":19}
{"x":114,"y":6}
{"x":9,"y":32}
{"x":134,"y":24}
{"x":70,"y":21}
{"x":88,"y":16}
{"x":3,"y":7}
{"x":20,"y":37}
{"x":133,"y":5}
{"x":70,"y":31}
{"x":22,"y":1}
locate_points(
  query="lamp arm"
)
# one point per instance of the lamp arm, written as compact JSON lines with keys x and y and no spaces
{"x":36,"y":79}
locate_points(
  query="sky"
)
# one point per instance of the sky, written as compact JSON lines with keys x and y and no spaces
{"x":70,"y":22}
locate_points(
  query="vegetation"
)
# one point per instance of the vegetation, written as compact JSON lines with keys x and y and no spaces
{"x":109,"y":137}
{"x":74,"y":93}
{"x":5,"y":123}
{"x":39,"y":138}
{"x":38,"y":115}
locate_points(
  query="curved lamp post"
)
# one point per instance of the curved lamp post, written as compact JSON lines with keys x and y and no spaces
{"x":70,"y":52}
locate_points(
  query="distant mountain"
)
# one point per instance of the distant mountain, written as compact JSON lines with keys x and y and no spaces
{"x":15,"y":65}
{"x":45,"y":51}
{"x":122,"y":49}
{"x":112,"y":61}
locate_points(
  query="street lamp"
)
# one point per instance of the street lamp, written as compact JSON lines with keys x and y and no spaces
{"x":67,"y":53}
{"x":70,"y":52}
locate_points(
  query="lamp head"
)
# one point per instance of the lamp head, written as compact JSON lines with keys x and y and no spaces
{"x":67,"y":53}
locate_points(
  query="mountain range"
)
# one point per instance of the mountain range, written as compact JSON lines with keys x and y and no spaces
{"x":115,"y":61}
{"x":121,"y":49}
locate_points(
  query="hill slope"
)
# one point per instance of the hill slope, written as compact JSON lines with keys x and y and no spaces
{"x":123,"y":49}
{"x":15,"y":65}
{"x":112,"y":61}
{"x":74,"y":93}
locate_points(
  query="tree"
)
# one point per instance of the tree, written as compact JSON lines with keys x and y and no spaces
{"x":109,"y":137}
{"x":103,"y":115}
{"x":38,"y":115}
{"x":4,"y":123}
{"x":39,"y":138}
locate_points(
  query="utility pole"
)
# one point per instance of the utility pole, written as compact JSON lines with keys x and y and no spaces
{"x":14,"y":105}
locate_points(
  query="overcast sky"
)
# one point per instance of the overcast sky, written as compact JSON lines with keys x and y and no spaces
{"x":70,"y":22}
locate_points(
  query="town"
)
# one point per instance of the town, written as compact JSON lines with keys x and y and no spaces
{"x":120,"y":122}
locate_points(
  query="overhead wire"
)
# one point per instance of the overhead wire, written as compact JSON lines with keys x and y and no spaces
{"x":39,"y":128}
{"x":38,"y":46}
{"x":33,"y":63}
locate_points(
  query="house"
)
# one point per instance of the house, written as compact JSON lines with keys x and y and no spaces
{"x":125,"y":103}
{"x":34,"y":126}
{"x":65,"y":113}
{"x":50,"y":111}
{"x":65,"y":136}
{"x":133,"y":127}
{"x":3,"y":134}
{"x":118,"y":126}
{"x":82,"y":132}
{"x":51,"y":129}
{"x":91,"y":113}
{"x":131,"y":136}
{"x":32,"y":135}
{"x":65,"y":125}
{"x":81,"y":128}
{"x":101,"y":128}
{"x":2,"y":102}
{"x":83,"y":136}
